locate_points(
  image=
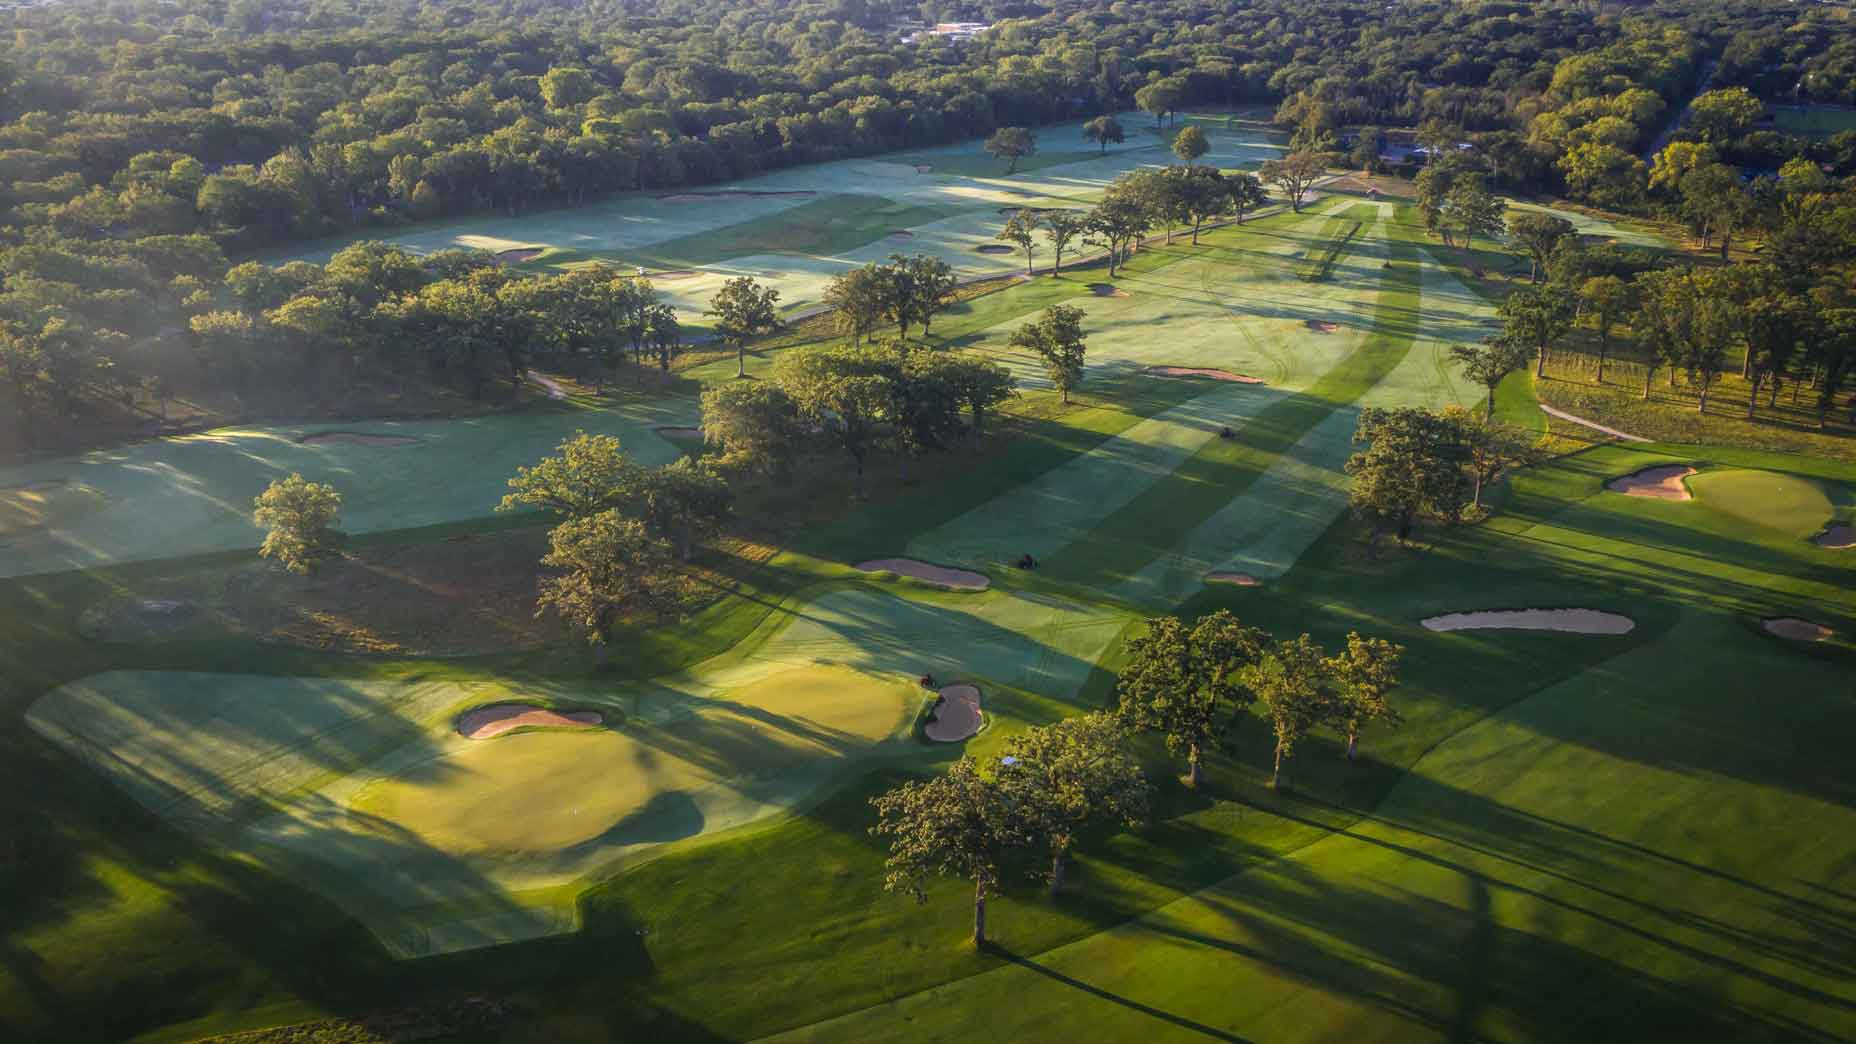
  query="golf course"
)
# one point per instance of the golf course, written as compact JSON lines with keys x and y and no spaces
{"x":1614,"y":802}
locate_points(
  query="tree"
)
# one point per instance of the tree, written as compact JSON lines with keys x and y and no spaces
{"x":1724,"y":115}
{"x":1411,"y":468}
{"x":1246,"y":193}
{"x":1716,"y":202}
{"x":685,"y":499}
{"x":1542,"y":234}
{"x":1118,"y":221}
{"x":663,"y":333}
{"x":564,"y":88}
{"x":1689,"y":319}
{"x":1491,"y":450}
{"x":1159,"y":98}
{"x":1022,"y":229}
{"x":1188,"y":684}
{"x":1603,"y":175}
{"x":1104,"y":130}
{"x":1289,"y":680}
{"x":1363,"y":673}
{"x":743,"y":310}
{"x":1490,"y":362}
{"x":1057,"y":338}
{"x":958,"y":824}
{"x":608,"y":564}
{"x":1471,"y":210}
{"x":1189,"y":144}
{"x":858,"y":299}
{"x":1067,"y":774}
{"x":1203,"y":195}
{"x":929,"y":283}
{"x":1537,"y":316}
{"x":587,"y":474}
{"x":754,"y":422}
{"x":1062,"y":227}
{"x":1293,"y":174}
{"x":1675,"y":162}
{"x":979,"y":384}
{"x":1604,"y":299}
{"x":844,"y":391}
{"x":1011,"y":144}
{"x":300,"y":516}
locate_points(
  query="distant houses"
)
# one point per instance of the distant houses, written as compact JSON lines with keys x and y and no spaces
{"x":954,"y":31}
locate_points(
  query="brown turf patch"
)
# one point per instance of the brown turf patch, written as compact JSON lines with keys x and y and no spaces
{"x":957,"y":716}
{"x":496,"y":719}
{"x":1571,"y":621}
{"x":1663,"y":482}
{"x":356,"y":438}
{"x":959,"y":579}
{"x":1796,"y":629}
{"x":1107,"y":290}
{"x":518,"y":255}
{"x":1200,"y":371}
{"x":1321,"y":326}
{"x":1837,"y":538}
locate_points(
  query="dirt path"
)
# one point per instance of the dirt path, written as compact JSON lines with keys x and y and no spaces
{"x":1592,"y":424}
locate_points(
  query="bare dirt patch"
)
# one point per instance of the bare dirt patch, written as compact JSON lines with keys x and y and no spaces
{"x":959,"y":579}
{"x":710,"y":197}
{"x":518,"y":255}
{"x":1663,"y":482}
{"x":1240,"y":579}
{"x":1107,"y":290}
{"x":1571,"y":621}
{"x":1199,"y":371}
{"x":356,"y":438}
{"x":995,"y":248}
{"x":1322,"y":326}
{"x":1837,"y":538}
{"x":497,"y":718}
{"x":1796,"y":629}
{"x":956,"y":715}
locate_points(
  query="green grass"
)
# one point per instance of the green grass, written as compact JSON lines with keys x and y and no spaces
{"x":1814,"y":121}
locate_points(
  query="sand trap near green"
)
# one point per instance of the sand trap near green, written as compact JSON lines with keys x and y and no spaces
{"x":192,"y":494}
{"x":1790,"y":504}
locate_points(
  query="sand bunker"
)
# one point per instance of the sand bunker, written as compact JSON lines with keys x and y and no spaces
{"x":1796,"y":629}
{"x":1572,"y":621}
{"x":995,"y":248}
{"x":675,"y":432}
{"x":1321,"y":326}
{"x":1107,"y":290}
{"x":1838,"y":538}
{"x":356,"y":438}
{"x":497,"y":718}
{"x":902,"y":233}
{"x":710,"y":197}
{"x":518,"y":255}
{"x":1196,"y":371}
{"x":674,"y":273}
{"x":959,"y":579}
{"x":957,"y":717}
{"x":1663,"y":482}
{"x":1240,"y":579}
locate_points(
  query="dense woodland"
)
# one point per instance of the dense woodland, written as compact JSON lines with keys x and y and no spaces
{"x":148,"y":148}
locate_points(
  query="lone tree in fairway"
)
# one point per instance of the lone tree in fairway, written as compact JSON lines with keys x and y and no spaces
{"x":1022,"y":229}
{"x":1057,"y":338}
{"x":587,"y":474}
{"x":1412,"y":467}
{"x":1293,"y":174}
{"x":1062,"y":227}
{"x":1189,"y":144}
{"x":608,"y":564}
{"x":960,"y":824}
{"x":301,"y":518}
{"x":1364,"y":673}
{"x":1012,"y":144}
{"x":1490,"y":362}
{"x":1289,"y":681}
{"x":744,"y":310}
{"x":1188,"y":685}
{"x":1068,"y":774}
{"x":1103,"y":130}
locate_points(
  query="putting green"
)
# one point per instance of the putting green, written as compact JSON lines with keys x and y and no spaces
{"x":1787,"y":503}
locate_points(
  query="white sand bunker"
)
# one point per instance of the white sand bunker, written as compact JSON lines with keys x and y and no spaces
{"x":1572,"y":621}
{"x":1663,"y":482}
{"x":1798,"y":630}
{"x":923,"y":168}
{"x":675,"y":432}
{"x":356,"y":438}
{"x":902,"y":233}
{"x":518,"y":255}
{"x":1199,"y":371}
{"x":490,"y":721}
{"x":1107,"y":290}
{"x":710,"y":197}
{"x":959,"y":579}
{"x":957,"y":716}
{"x":1240,"y":579}
{"x":1838,"y":538}
{"x":995,"y":248}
